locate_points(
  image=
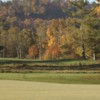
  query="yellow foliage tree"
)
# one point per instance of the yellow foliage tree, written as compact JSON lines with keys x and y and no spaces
{"x":51,"y":41}
{"x":98,"y":10}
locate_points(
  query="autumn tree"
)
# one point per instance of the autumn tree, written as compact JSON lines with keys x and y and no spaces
{"x":93,"y":32}
{"x":69,"y":39}
{"x":3,"y":41}
{"x":53,"y":52}
{"x":33,"y":51}
{"x":97,"y":9}
{"x":81,"y":11}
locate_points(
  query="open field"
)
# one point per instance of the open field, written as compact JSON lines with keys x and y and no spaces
{"x":20,"y":90}
{"x":62,"y":78}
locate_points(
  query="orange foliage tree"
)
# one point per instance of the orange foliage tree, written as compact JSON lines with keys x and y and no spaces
{"x":98,"y":8}
{"x":33,"y":51}
{"x":52,"y":52}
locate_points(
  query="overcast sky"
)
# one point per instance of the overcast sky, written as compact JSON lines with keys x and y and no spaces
{"x":88,"y":0}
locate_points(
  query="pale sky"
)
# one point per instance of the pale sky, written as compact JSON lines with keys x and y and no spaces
{"x":92,"y":0}
{"x":88,"y":0}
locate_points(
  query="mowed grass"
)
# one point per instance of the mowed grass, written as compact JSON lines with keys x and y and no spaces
{"x":62,"y":78}
{"x":20,"y":90}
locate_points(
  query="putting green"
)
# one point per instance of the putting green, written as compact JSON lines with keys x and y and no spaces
{"x":19,"y":90}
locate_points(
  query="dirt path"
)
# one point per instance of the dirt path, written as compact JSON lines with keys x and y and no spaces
{"x":19,"y":90}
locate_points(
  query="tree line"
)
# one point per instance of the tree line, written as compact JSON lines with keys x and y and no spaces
{"x":50,"y":29}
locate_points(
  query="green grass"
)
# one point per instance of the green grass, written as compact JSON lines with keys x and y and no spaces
{"x":57,"y":62}
{"x":26,"y":65}
{"x":53,"y":77}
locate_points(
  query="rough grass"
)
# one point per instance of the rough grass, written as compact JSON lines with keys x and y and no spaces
{"x":62,"y":78}
{"x":18,"y":90}
{"x":58,"y":62}
{"x":26,"y":65}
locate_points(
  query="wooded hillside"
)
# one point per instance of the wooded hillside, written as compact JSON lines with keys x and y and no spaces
{"x":50,"y":29}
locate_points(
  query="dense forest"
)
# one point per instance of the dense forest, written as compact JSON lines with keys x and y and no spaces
{"x":50,"y":29}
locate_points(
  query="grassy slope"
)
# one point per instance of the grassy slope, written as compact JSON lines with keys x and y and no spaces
{"x":53,"y":77}
{"x":49,"y":77}
{"x":26,"y":65}
{"x":58,"y":62}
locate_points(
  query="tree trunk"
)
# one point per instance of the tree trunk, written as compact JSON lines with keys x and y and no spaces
{"x":3,"y":53}
{"x":83,"y":51}
{"x":40,"y":49}
{"x":40,"y":56}
{"x":94,"y":56}
{"x":19,"y":51}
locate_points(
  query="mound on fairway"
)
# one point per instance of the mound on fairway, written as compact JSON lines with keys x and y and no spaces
{"x":19,"y":90}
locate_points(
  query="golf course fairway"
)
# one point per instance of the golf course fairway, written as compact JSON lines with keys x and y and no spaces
{"x":20,"y":90}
